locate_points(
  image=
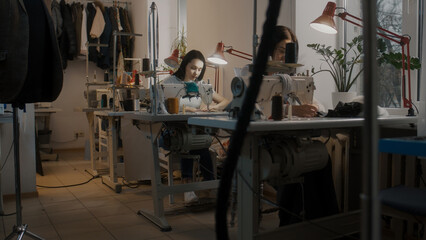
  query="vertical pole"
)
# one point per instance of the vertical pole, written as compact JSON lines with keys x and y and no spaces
{"x":154,"y":33}
{"x":114,"y":70}
{"x":255,"y":39}
{"x":17,"y":166}
{"x":370,"y":228}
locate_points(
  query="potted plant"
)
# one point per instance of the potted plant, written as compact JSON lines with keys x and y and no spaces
{"x":344,"y":64}
{"x":343,"y":67}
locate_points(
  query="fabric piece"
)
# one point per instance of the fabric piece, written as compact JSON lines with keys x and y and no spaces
{"x":98,"y":24}
{"x":83,"y":34}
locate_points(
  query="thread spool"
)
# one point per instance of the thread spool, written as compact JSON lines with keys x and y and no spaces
{"x":172,"y":105}
{"x":277,"y":108}
{"x":291,"y":53}
{"x":137,"y":79}
{"x":145,"y":64}
{"x":106,"y":77}
{"x":104,"y":101}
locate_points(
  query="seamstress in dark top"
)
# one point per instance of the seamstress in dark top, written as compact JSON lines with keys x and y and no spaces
{"x":315,"y":197}
{"x":282,"y":36}
{"x":191,"y":71}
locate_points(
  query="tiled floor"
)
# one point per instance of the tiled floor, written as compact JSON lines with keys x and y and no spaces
{"x":93,"y":211}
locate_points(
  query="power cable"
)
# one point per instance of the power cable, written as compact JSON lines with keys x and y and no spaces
{"x":238,"y":135}
{"x":7,"y":157}
{"x":71,"y":185}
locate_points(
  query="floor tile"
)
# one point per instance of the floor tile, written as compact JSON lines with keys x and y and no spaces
{"x":78,"y":227}
{"x":141,"y":232}
{"x":65,"y":216}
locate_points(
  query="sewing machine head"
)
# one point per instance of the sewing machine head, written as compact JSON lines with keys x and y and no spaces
{"x":298,"y":87}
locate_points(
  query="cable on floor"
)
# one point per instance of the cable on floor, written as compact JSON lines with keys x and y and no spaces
{"x":71,"y":185}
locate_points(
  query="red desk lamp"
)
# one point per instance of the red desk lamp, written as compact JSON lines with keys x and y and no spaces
{"x":325,"y":23}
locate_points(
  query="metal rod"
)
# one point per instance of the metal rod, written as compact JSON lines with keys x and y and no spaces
{"x":114,"y":70}
{"x":255,"y":39}
{"x":128,"y":34}
{"x":370,"y":228}
{"x":154,"y":57}
{"x":17,"y":166}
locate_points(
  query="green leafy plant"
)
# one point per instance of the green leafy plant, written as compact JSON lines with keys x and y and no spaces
{"x":341,"y":62}
{"x":394,"y":58}
{"x":180,"y":43}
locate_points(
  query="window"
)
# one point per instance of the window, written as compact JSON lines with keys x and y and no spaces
{"x":400,"y":17}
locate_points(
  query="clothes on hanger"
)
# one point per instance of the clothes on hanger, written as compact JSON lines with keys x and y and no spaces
{"x":90,"y":21}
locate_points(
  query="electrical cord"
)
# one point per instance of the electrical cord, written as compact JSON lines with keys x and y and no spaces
{"x":7,"y":157}
{"x":220,"y":143}
{"x":7,"y":214}
{"x":234,"y":149}
{"x":71,"y":185}
{"x":290,"y":212}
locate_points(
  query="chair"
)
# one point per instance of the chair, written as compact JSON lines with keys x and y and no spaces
{"x":403,"y":201}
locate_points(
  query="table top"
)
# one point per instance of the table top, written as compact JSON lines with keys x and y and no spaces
{"x":297,"y":123}
{"x":149,"y":117}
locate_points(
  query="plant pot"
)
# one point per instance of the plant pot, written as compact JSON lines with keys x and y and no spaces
{"x":343,"y":97}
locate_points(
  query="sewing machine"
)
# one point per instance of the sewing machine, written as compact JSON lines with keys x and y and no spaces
{"x":177,"y":90}
{"x":293,"y":89}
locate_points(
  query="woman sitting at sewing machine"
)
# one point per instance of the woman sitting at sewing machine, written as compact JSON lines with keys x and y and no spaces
{"x":191,"y":72}
{"x":282,"y":36}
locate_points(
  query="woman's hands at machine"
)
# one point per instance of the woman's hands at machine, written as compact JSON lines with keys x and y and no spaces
{"x":305,"y":110}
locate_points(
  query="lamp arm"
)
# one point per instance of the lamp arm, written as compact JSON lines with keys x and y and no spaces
{"x":403,"y":41}
{"x":240,"y":54}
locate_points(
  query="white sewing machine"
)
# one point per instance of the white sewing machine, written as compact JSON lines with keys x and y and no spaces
{"x":297,"y":88}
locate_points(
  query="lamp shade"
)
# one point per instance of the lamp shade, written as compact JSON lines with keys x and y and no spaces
{"x":325,"y":23}
{"x":173,"y":61}
{"x":218,"y":57}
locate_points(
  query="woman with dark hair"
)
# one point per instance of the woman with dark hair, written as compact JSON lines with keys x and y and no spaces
{"x":281,"y":37}
{"x":191,"y":72}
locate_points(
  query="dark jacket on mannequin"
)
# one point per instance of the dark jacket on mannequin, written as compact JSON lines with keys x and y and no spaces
{"x":30,"y":69}
{"x":14,"y":40}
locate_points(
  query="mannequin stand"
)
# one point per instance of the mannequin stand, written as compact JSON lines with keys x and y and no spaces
{"x":19,"y":229}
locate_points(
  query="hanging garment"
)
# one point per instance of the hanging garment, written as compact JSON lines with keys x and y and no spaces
{"x":104,"y":60}
{"x":83,"y":33}
{"x":42,"y":70}
{"x":14,"y":40}
{"x":57,"y":18}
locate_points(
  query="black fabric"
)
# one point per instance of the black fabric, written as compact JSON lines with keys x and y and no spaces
{"x":410,"y":200}
{"x":91,"y":12}
{"x":104,"y":60}
{"x":44,"y":76}
{"x":316,"y":194}
{"x":352,"y":109}
{"x":14,"y":40}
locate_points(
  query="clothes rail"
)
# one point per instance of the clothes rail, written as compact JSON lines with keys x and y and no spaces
{"x":102,"y":1}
